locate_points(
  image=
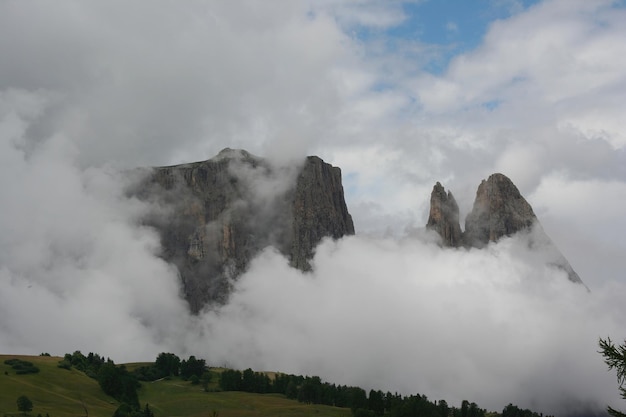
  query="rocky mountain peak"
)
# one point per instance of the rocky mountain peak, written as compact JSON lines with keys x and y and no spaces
{"x":237,"y":154}
{"x":444,"y":216}
{"x":214,"y":216}
{"x":499,"y":210}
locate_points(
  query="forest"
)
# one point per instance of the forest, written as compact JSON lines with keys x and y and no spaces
{"x":124,"y":385}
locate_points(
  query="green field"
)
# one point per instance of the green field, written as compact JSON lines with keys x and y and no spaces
{"x":62,"y":393}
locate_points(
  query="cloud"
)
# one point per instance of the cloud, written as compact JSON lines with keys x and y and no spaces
{"x":74,"y":265}
{"x":405,"y":315}
{"x":156,"y":83}
{"x":85,"y":87}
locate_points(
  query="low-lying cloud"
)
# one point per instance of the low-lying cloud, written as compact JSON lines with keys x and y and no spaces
{"x":494,"y":326}
{"x":486,"y":325}
{"x":98,"y":84}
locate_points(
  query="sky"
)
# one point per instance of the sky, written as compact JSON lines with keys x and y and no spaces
{"x":399,"y":95}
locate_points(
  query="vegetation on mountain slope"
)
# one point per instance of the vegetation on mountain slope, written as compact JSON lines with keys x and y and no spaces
{"x":79,"y":385}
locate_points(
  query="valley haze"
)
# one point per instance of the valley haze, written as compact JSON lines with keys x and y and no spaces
{"x":399,"y":95}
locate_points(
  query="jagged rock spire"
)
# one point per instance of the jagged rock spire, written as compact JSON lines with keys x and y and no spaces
{"x":444,"y":216}
{"x":499,"y":210}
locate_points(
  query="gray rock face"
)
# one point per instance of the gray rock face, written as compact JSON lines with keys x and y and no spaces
{"x":319,"y":210}
{"x":499,"y":210}
{"x":444,"y":216}
{"x":215,"y":216}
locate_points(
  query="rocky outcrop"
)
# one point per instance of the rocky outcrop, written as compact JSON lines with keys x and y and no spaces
{"x":499,"y":210}
{"x":444,"y":216}
{"x":319,"y":210}
{"x":214,"y":216}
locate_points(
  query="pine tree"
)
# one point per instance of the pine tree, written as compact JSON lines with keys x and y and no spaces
{"x":615,"y":358}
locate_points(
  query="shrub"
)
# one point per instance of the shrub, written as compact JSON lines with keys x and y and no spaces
{"x":22,"y":367}
{"x":24,"y":404}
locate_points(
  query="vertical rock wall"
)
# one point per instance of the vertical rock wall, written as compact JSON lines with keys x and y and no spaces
{"x":214,"y":216}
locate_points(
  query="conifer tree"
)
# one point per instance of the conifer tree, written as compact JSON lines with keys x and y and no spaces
{"x":615,"y":358}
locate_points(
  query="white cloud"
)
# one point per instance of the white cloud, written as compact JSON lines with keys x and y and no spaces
{"x":488,"y":326}
{"x":88,"y":85}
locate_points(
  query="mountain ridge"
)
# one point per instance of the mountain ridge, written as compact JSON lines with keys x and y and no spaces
{"x":214,"y":216}
{"x":499,"y":211}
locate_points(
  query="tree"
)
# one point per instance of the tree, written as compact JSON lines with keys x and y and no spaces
{"x":119,"y":384}
{"x":168,"y":364}
{"x":465,"y":408}
{"x":206,"y":378}
{"x":443,"y":409}
{"x":376,"y":402}
{"x":192,"y":366}
{"x":615,"y":358}
{"x":24,"y":404}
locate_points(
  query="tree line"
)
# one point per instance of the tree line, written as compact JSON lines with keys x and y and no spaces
{"x":119,"y":383}
{"x":313,"y":390}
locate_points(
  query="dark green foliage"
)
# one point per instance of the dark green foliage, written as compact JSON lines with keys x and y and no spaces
{"x":24,"y":404}
{"x":230,"y":380}
{"x":44,"y":354}
{"x":443,"y":410}
{"x":514,"y":411}
{"x":89,"y":364}
{"x":291,"y":391}
{"x":192,"y":366}
{"x":356,"y":398}
{"x":615,"y":358}
{"x":310,"y":390}
{"x":465,"y":408}
{"x":149,"y":373}
{"x":168,"y":364}
{"x":22,"y":367}
{"x":120,"y":384}
{"x":125,"y":410}
{"x":414,"y":405}
{"x":117,"y":382}
{"x":206,"y":379}
{"x":376,"y":402}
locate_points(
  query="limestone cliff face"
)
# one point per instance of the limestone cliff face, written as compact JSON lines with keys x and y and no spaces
{"x":319,"y":210}
{"x":444,"y":216}
{"x":499,"y":210}
{"x":214,"y":216}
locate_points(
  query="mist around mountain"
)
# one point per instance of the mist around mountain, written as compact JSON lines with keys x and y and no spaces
{"x":396,"y":313}
{"x":91,"y":88}
{"x":213,"y":217}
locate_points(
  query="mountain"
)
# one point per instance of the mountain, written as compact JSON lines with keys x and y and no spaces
{"x":444,"y":216}
{"x":499,"y":211}
{"x":214,"y":216}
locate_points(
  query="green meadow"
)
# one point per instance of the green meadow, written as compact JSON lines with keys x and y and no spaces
{"x":70,"y":393}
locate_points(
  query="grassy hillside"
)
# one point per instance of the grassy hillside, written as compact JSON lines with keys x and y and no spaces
{"x":62,"y":393}
{"x":58,"y":392}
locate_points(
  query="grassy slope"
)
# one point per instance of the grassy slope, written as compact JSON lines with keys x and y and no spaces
{"x":59,"y":392}
{"x":53,"y":390}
